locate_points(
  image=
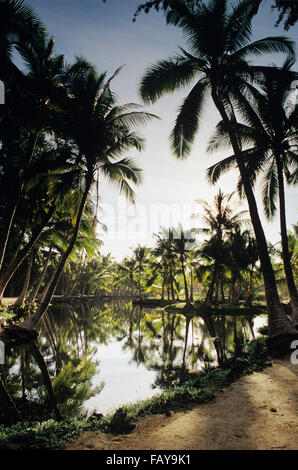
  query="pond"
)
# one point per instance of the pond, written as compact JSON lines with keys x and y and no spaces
{"x":101,"y":356}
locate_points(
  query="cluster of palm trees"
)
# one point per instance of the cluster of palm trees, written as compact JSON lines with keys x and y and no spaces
{"x":245,"y":95}
{"x":222,"y":269}
{"x":61,"y":129}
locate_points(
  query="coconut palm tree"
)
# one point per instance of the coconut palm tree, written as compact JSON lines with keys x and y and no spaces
{"x":39,"y":90}
{"x":218,"y":63}
{"x":140,"y":254}
{"x":127,"y":268}
{"x":219,"y":220}
{"x":181,"y":245}
{"x":272,"y":131}
{"x":102,"y":131}
{"x":165,"y":252}
{"x":51,"y":176}
{"x":18,"y":24}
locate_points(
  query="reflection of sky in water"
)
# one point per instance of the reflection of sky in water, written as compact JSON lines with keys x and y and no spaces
{"x":124,"y":381}
{"x":260,"y":321}
{"x":127,"y":382}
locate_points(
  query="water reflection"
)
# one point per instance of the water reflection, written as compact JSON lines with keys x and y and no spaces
{"x":100,"y":356}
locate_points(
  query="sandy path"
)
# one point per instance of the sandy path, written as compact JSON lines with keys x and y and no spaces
{"x":240,"y":417}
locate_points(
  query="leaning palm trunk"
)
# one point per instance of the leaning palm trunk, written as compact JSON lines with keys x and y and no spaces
{"x":278,"y":322}
{"x":32,"y":296}
{"x":21,"y":298}
{"x":16,"y":262}
{"x":36,"y":353}
{"x":14,"y":205}
{"x":31,"y":323}
{"x":284,"y":242}
{"x":42,"y":296}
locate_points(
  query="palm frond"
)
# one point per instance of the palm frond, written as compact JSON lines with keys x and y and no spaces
{"x":165,"y":77}
{"x":270,"y":190}
{"x":188,"y":119}
{"x":215,"y":171}
{"x":268,"y":45}
{"x":136,"y":118}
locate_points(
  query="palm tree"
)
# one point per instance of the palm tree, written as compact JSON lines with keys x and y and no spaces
{"x":18,"y":24}
{"x":215,"y":250}
{"x":141,"y":258}
{"x":39,"y":90}
{"x":220,"y":219}
{"x":165,"y":252}
{"x":219,"y":65}
{"x":181,"y":241}
{"x":272,"y":130}
{"x":102,"y":131}
{"x":127,"y":268}
{"x":51,"y":176}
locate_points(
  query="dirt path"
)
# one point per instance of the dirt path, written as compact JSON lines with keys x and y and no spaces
{"x":259,"y":411}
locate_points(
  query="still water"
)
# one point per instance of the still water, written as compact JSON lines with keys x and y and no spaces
{"x":102,"y":356}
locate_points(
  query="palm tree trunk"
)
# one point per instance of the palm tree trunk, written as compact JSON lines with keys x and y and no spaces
{"x":13,"y":207}
{"x":191,"y":284}
{"x":31,"y":323}
{"x":217,"y":285}
{"x":284,"y":242}
{"x":250,"y":289}
{"x":233,"y":290}
{"x":208,"y":298}
{"x":222,"y":286}
{"x":279,"y":324}
{"x":21,"y":298}
{"x":139,"y":284}
{"x":48,"y":329}
{"x":47,"y":286}
{"x":185,"y":341}
{"x":15,"y":263}
{"x":36,"y":353}
{"x":171,"y":282}
{"x":34,"y":293}
{"x":185,"y":282}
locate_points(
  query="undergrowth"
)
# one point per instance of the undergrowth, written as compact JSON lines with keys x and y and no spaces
{"x":200,"y":388}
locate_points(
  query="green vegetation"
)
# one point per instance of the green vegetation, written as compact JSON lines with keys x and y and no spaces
{"x":198,"y":389}
{"x":52,"y":159}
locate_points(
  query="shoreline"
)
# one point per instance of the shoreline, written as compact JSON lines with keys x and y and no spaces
{"x":201,"y":388}
{"x":256,"y":412}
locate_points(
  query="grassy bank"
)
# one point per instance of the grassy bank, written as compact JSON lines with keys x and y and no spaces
{"x":196,"y":389}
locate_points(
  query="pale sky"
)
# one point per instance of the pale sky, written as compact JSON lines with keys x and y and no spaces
{"x":106,"y":36}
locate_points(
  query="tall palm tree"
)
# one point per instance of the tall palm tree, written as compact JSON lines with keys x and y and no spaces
{"x":102,"y":131}
{"x":219,"y":64}
{"x":39,"y":89}
{"x":181,"y":244}
{"x":51,"y":176}
{"x":220,"y":219}
{"x":272,"y":131}
{"x":141,"y":258}
{"x":165,"y":252}
{"x":127,"y":268}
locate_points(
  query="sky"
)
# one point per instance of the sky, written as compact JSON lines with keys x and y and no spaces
{"x":105,"y":34}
